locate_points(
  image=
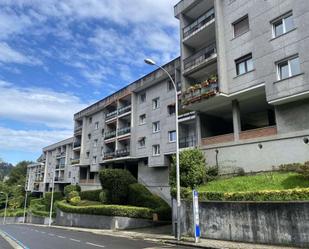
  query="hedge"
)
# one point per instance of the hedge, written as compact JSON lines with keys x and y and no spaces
{"x":57,"y":197}
{"x":42,"y":213}
{"x":91,"y":195}
{"x":13,"y":213}
{"x":70,"y":188}
{"x":297,"y":194}
{"x":108,"y":210}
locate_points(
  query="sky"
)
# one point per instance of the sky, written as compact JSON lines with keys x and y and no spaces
{"x":57,"y":57}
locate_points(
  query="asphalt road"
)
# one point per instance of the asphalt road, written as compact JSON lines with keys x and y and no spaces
{"x":35,"y":237}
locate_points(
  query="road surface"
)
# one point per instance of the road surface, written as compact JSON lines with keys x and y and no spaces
{"x":34,"y":237}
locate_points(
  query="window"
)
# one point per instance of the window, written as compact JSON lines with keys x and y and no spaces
{"x":283,"y":25}
{"x":102,"y":132}
{"x":95,"y":143}
{"x":171,"y":109}
{"x":90,"y":120}
{"x":96,"y":125}
{"x":142,"y":98}
{"x":102,"y":151}
{"x":241,"y":26}
{"x":156,"y":126}
{"x":170,"y":85}
{"x":142,"y":119}
{"x":69,"y":174}
{"x":89,"y":136}
{"x":94,"y":160}
{"x":87,"y":154}
{"x":155,"y":103}
{"x":156,"y":150}
{"x":288,"y":68}
{"x":142,"y":142}
{"x":244,"y":64}
{"x":172,"y":136}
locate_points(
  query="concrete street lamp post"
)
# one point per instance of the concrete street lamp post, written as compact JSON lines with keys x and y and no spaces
{"x":52,"y":199}
{"x":153,"y":63}
{"x":6,"y":205}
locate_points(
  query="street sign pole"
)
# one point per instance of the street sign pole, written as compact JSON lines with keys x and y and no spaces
{"x":196,"y":219}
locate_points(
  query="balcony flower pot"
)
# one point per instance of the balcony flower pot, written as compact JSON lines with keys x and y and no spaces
{"x":213,"y":79}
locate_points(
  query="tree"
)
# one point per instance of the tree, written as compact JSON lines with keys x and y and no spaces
{"x":192,"y":166}
{"x":18,"y":174}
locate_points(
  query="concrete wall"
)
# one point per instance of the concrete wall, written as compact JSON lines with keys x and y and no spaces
{"x":99,"y":221}
{"x":269,"y":223}
{"x":246,"y":154}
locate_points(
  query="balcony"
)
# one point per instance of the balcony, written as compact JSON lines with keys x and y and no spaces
{"x":57,"y":166}
{"x":60,"y":154}
{"x":124,"y":110}
{"x":111,"y":115}
{"x":123,"y":131}
{"x":109,"y":155}
{"x":110,"y":134}
{"x":78,"y":129}
{"x":202,"y":56}
{"x":201,"y":91}
{"x":76,"y":145}
{"x":122,"y":153}
{"x":199,"y":23}
{"x":185,"y":142}
{"x":59,"y":178}
{"x":75,"y":161}
{"x":62,"y":165}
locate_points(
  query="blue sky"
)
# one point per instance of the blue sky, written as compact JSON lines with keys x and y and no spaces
{"x":57,"y":57}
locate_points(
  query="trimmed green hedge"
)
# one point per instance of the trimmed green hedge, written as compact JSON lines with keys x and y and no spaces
{"x":13,"y":213}
{"x":91,"y":195}
{"x":42,"y":213}
{"x":297,"y":194}
{"x":70,"y":188}
{"x":108,"y":210}
{"x":57,"y":197}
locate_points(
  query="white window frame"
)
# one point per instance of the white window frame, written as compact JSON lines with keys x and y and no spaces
{"x":156,"y":103}
{"x":95,"y":143}
{"x":96,"y":125}
{"x":139,"y":142}
{"x":94,"y":160}
{"x":288,"y":60}
{"x":157,"y":126}
{"x":169,"y":136}
{"x":282,"y":18}
{"x":156,"y":150}
{"x":142,"y":121}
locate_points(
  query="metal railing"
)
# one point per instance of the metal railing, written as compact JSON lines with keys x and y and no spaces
{"x":199,"y":56}
{"x":111,"y":115}
{"x":78,"y":128}
{"x":110,"y":134}
{"x":59,"y":178}
{"x":185,"y":142}
{"x":122,"y":153}
{"x":199,"y":22}
{"x":124,"y":109}
{"x":123,"y":131}
{"x":76,"y":144}
{"x":75,"y":160}
{"x":109,"y":155}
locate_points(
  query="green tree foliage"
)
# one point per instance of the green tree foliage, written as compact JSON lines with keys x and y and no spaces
{"x":18,"y":174}
{"x":192,"y":166}
{"x":5,"y":169}
{"x":117,"y":182}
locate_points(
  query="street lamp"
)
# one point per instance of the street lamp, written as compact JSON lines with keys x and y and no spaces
{"x":153,"y":63}
{"x":6,"y":205}
{"x":25,"y":206}
{"x":52,"y":199}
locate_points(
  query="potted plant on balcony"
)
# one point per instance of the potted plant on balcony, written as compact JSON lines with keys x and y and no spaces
{"x":213,"y":79}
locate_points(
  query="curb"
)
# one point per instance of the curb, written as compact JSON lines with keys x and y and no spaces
{"x":12,"y":241}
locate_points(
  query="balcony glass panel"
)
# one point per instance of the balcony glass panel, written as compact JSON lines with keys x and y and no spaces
{"x":111,"y":115}
{"x":124,"y":109}
{"x":109,"y":134}
{"x":123,"y":131}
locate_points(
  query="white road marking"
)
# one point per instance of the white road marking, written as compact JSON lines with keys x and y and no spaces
{"x":91,"y":244}
{"x":51,"y":234}
{"x":76,"y":240}
{"x":62,"y":237}
{"x":42,"y":232}
{"x":36,"y":231}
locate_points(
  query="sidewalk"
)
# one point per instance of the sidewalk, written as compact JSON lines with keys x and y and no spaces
{"x":164,"y":235}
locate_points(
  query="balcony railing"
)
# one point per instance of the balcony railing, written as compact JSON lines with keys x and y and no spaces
{"x":185,"y":142}
{"x":75,"y":161}
{"x":122,"y":153}
{"x":78,"y":128}
{"x":199,"y":57}
{"x":59,"y":178}
{"x":124,"y":109}
{"x":123,"y":131}
{"x":110,"y":134}
{"x":60,"y":154}
{"x":111,"y":115}
{"x":109,"y":155}
{"x":76,"y":144}
{"x":57,"y":166}
{"x":204,"y":90}
{"x":199,"y":22}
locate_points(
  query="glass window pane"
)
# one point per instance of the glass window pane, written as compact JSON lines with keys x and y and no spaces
{"x":289,"y":23}
{"x":284,"y":70}
{"x":249,"y":65}
{"x":241,"y":69}
{"x":295,"y":67}
{"x":278,"y":28}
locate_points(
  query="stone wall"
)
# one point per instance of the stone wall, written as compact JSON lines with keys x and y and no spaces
{"x":282,"y":223}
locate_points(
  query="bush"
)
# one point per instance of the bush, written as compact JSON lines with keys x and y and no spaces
{"x":75,"y":200}
{"x":37,"y":204}
{"x":71,"y":195}
{"x":192,"y":168}
{"x":42,"y":213}
{"x":185,"y":193}
{"x":211,"y":174}
{"x":91,"y":195}
{"x":57,"y":197}
{"x":140,"y":196}
{"x":302,"y":168}
{"x":104,"y":196}
{"x":117,"y":182}
{"x":70,"y":188}
{"x":108,"y":210}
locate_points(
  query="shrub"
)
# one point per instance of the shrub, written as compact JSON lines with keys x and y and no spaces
{"x":71,"y":195}
{"x":37,"y":204}
{"x":185,"y":193}
{"x":104,"y":196}
{"x":117,"y":182}
{"x":192,"y":168}
{"x":75,"y":200}
{"x":70,"y":188}
{"x":302,"y":168}
{"x":57,"y":197}
{"x":91,"y":195}
{"x":211,"y":174}
{"x":108,"y":210}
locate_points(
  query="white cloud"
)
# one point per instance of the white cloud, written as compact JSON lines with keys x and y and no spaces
{"x":30,"y":140}
{"x":38,"y":106}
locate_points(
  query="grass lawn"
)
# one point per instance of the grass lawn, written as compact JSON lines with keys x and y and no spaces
{"x":263,"y":181}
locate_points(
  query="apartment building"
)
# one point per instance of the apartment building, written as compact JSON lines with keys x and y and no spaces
{"x":244,"y":71}
{"x":134,"y":129}
{"x":53,"y":167}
